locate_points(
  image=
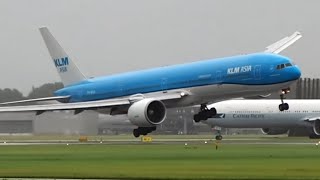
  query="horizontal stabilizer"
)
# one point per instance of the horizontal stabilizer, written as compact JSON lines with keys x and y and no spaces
{"x":312,"y":119}
{"x":281,"y":45}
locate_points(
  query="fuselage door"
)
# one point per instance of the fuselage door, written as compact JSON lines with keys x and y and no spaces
{"x":121,"y":89}
{"x":218,"y":77}
{"x":257,"y":72}
{"x":164,"y":83}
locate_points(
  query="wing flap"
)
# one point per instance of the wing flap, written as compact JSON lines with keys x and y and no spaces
{"x":57,"y":98}
{"x":163,"y":96}
{"x":312,"y":119}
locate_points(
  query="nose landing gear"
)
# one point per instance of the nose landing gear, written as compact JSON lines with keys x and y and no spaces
{"x":284,"y":106}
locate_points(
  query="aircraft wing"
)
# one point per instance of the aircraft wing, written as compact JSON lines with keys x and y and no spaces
{"x":281,"y":45}
{"x":66,"y":106}
{"x":92,"y":105}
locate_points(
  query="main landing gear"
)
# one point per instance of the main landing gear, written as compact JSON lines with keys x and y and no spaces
{"x":143,"y":131}
{"x":204,"y":113}
{"x":219,"y":136}
{"x":284,"y":106}
{"x":217,"y":131}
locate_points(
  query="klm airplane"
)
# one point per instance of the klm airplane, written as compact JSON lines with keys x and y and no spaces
{"x":145,"y":95}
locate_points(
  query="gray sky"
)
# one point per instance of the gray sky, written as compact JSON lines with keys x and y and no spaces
{"x":113,"y":36}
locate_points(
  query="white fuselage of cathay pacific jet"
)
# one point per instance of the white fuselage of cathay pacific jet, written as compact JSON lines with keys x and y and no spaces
{"x":265,"y":115}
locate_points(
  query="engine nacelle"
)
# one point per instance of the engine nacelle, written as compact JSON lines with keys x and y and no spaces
{"x":274,"y":131}
{"x":316,"y":127}
{"x":147,"y":113}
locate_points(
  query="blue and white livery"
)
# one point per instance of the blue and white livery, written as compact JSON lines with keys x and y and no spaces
{"x":145,"y":95}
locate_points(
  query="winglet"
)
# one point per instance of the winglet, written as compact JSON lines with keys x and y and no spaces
{"x":67,"y":69}
{"x":283,"y":43}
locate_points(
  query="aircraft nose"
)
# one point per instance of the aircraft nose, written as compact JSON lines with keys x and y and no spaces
{"x":295,"y":72}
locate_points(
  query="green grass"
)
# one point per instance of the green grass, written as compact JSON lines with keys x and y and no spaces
{"x":156,"y":161}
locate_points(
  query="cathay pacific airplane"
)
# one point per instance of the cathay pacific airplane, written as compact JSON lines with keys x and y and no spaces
{"x":264,"y":114}
{"x":145,"y":95}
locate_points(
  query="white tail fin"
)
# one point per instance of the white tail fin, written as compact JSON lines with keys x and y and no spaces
{"x":68,"y":71}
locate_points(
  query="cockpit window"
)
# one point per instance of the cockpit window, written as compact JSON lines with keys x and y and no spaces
{"x":288,"y":64}
{"x":281,"y":66}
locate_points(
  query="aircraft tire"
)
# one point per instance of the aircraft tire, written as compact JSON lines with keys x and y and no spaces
{"x":197,"y":118}
{"x":218,"y":137}
{"x":314,"y":136}
{"x":213,"y":112}
{"x":136,"y":133}
{"x":281,"y":107}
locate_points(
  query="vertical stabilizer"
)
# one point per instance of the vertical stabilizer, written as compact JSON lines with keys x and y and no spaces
{"x":68,"y":71}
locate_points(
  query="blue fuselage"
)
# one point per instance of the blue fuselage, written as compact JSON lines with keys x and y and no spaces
{"x":252,"y":69}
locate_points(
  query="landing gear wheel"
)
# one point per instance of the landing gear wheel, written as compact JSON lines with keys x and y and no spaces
{"x":314,"y":136}
{"x":212,"y":112}
{"x":136,"y":133}
{"x":197,"y":118}
{"x":281,"y":108}
{"x":143,"y":131}
{"x":284,"y":106}
{"x":204,"y":113}
{"x":218,"y":137}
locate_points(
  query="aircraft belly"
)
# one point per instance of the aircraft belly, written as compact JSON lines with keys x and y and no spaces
{"x":219,"y":92}
{"x":216,"y":93}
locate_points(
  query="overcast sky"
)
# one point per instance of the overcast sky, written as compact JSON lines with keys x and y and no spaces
{"x":113,"y":36}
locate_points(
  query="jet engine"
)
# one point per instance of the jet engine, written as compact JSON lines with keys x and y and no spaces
{"x":147,"y":113}
{"x":316,"y":127}
{"x":274,"y":131}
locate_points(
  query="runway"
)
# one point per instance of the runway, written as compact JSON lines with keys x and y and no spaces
{"x":194,"y":141}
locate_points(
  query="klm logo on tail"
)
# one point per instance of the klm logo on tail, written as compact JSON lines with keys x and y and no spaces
{"x":62,"y":64}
